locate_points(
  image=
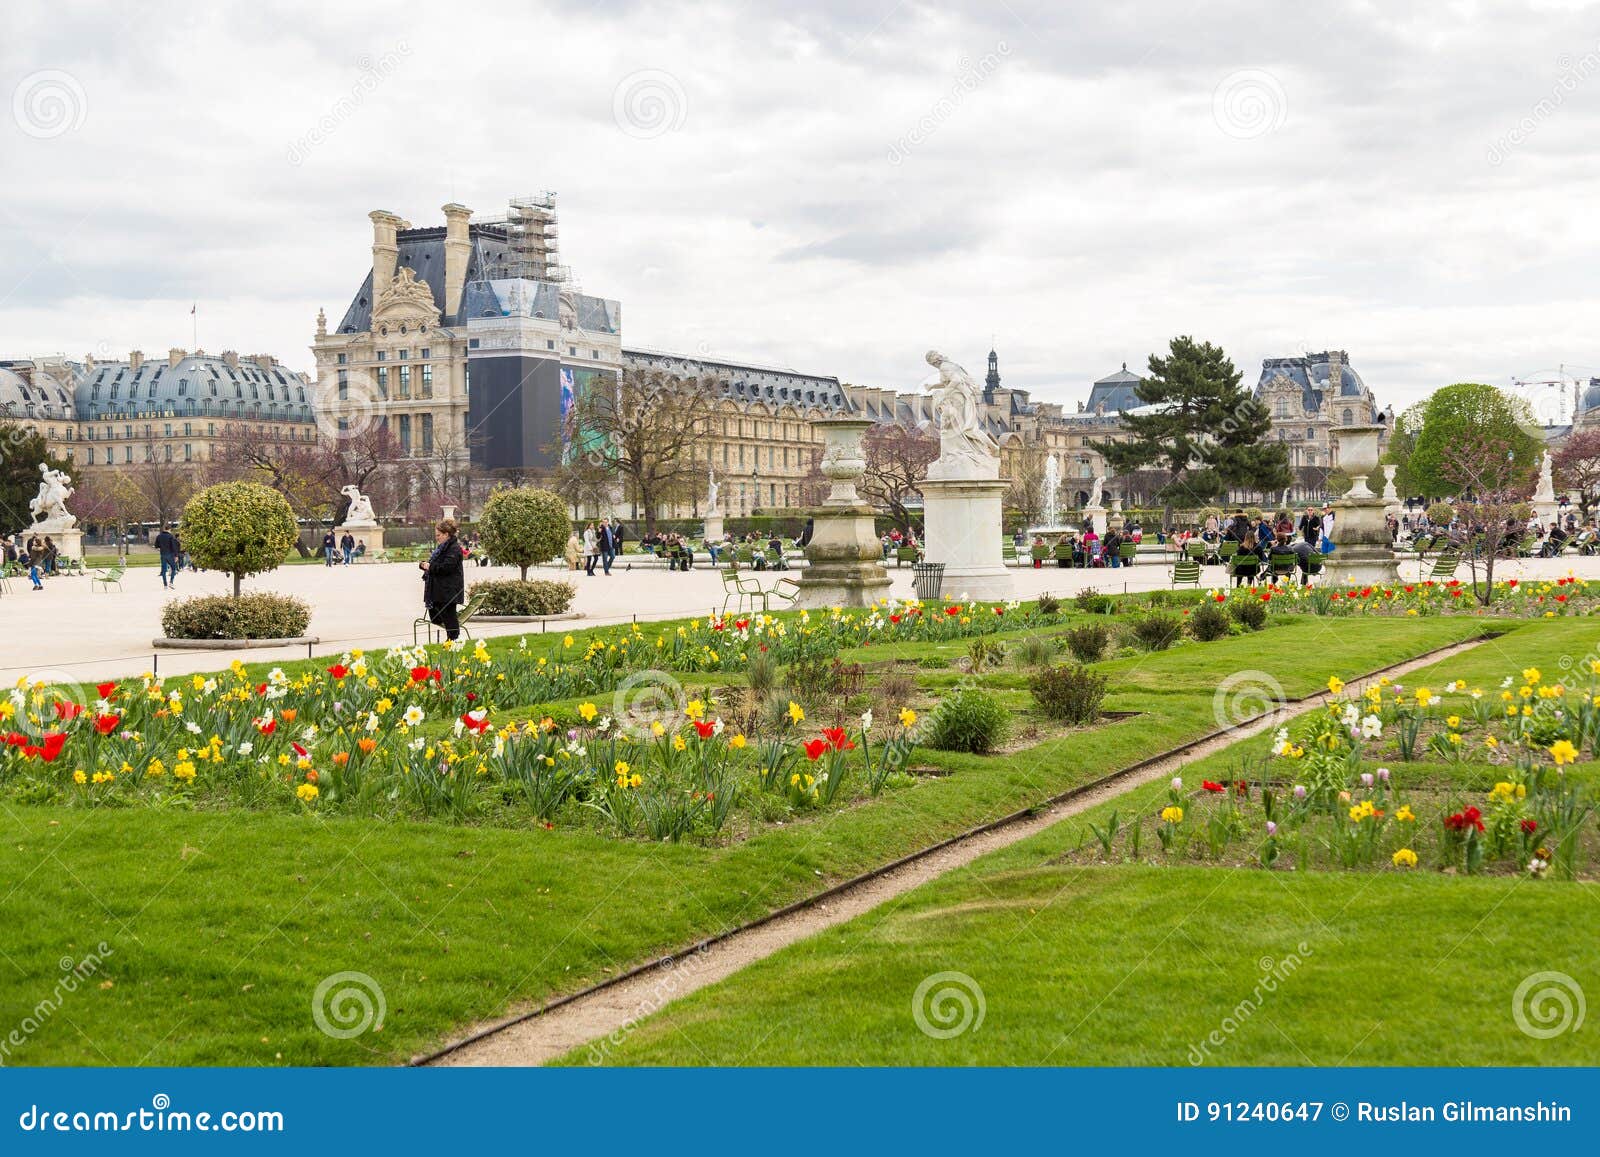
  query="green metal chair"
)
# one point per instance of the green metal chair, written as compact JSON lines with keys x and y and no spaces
{"x":1240,"y":565}
{"x":905,"y":554}
{"x":108,"y":578}
{"x":1444,"y":567}
{"x":468,"y":613}
{"x":1128,"y":551}
{"x":1226,"y":550}
{"x":1283,"y":565}
{"x":1039,"y":554}
{"x":1186,"y":573}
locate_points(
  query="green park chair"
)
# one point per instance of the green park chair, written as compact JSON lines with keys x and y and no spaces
{"x":1186,"y":573}
{"x":1313,"y":566}
{"x":468,"y":613}
{"x":108,"y":578}
{"x":1283,"y":565}
{"x":1063,"y":553}
{"x":1243,"y":564}
{"x":1128,"y":552}
{"x":1039,"y":553}
{"x":905,"y":554}
{"x":785,"y":590}
{"x":1444,"y":567}
{"x":1226,"y":550}
{"x":1195,"y":551}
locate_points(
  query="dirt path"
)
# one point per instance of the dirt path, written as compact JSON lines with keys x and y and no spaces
{"x":538,"y":1036}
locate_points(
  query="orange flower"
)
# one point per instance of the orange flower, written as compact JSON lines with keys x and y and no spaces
{"x":288,"y":714}
{"x":311,"y":777}
{"x":340,"y":758}
{"x":366,"y":745}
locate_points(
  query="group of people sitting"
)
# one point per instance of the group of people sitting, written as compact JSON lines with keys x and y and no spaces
{"x":1085,"y":547}
{"x":1264,"y":545}
{"x":1517,"y":539}
{"x":38,"y":555}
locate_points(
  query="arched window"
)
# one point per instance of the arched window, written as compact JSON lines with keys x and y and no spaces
{"x":1349,"y":418}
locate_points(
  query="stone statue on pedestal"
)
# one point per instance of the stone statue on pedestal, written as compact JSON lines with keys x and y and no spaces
{"x":359,"y":512}
{"x":1096,"y":491}
{"x":1547,"y":485}
{"x":965,"y":448}
{"x":49,"y":509}
{"x":711,"y":493}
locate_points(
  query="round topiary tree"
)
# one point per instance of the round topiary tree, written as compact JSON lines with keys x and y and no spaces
{"x":240,"y":528}
{"x":524,"y":526}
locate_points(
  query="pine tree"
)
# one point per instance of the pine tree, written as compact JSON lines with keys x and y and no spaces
{"x":1206,"y":430}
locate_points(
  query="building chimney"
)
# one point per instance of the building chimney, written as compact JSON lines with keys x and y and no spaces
{"x":1335,"y":374}
{"x":457,"y":247}
{"x":385,"y":250}
{"x":174,"y":356}
{"x":230,"y":358}
{"x":135,"y":360}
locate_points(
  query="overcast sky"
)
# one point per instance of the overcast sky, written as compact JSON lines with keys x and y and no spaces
{"x":832,"y":186}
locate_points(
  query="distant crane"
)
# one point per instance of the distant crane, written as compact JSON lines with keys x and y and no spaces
{"x":1546,"y":391}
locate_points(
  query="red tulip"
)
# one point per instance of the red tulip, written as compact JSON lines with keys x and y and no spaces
{"x":53,"y":743}
{"x":338,"y":670}
{"x":68,"y":709}
{"x":477,"y":721}
{"x":837,"y":739}
{"x":106,"y":689}
{"x":106,"y":724}
{"x":815,"y":748}
{"x":1209,"y":786}
{"x":268,"y":727}
{"x":419,"y":674}
{"x":706,"y":730}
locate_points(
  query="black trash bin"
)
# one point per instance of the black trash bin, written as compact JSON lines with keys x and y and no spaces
{"x":927,"y":578}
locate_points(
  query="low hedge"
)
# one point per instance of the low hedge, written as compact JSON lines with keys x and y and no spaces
{"x":518,"y":597}
{"x":254,"y":615}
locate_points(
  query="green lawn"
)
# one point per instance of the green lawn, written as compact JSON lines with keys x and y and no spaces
{"x":220,"y":924}
{"x":1133,"y":964}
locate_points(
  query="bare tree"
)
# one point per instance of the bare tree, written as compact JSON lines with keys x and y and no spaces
{"x":1577,"y":467}
{"x":1493,"y":488}
{"x":111,"y":498}
{"x":648,"y":432}
{"x":165,"y":484}
{"x":898,"y":458}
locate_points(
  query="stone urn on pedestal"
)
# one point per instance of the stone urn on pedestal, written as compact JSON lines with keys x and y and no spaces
{"x":1391,"y":498}
{"x":845,"y":561}
{"x":1364,"y":551}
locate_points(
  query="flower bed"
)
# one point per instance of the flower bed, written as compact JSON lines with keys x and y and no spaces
{"x":433,"y":731}
{"x":1318,"y":799}
{"x":1512,"y":598}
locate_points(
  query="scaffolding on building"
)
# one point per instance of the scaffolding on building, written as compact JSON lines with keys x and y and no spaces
{"x":533,"y":237}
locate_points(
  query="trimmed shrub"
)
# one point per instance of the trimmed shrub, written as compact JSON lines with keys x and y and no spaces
{"x":1069,"y":694}
{"x":1440,"y":513}
{"x":1157,"y":631}
{"x":241,"y":529}
{"x":1208,"y":621}
{"x":1251,"y":612}
{"x":1049,"y":604}
{"x":524,"y":527}
{"x":969,"y":721}
{"x":1088,"y":642}
{"x":257,"y":615}
{"x":523,"y":596}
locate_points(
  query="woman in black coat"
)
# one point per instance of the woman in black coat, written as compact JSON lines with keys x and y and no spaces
{"x":442,"y":581}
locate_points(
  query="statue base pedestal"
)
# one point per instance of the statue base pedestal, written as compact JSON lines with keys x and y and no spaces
{"x":69,"y":542}
{"x":845,"y":560}
{"x":1364,"y":552}
{"x":1546,"y":510}
{"x":1097,"y":518}
{"x":963,"y":530}
{"x":713,"y":528}
{"x":369,"y":536}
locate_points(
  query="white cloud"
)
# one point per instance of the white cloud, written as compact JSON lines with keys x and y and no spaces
{"x":839,"y":185}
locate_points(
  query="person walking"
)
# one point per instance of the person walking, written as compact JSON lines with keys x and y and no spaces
{"x":34,"y":559}
{"x":442,"y":581}
{"x":608,"y":546}
{"x":573,"y":552}
{"x":329,"y":545}
{"x":167,"y":546}
{"x":347,"y":544}
{"x":591,"y":549}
